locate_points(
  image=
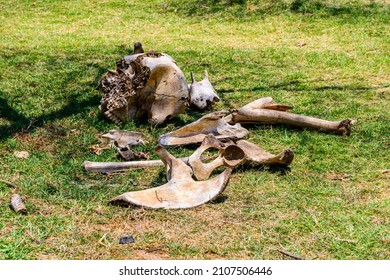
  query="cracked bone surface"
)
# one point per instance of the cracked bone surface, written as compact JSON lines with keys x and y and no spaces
{"x":144,"y":86}
{"x":213,"y":123}
{"x":181,"y":191}
{"x":266,"y":111}
{"x":124,"y":138}
{"x":202,"y":93}
{"x":256,"y":155}
{"x":124,"y":141}
{"x":230,"y":156}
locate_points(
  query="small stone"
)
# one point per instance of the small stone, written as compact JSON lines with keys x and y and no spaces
{"x":126,"y":240}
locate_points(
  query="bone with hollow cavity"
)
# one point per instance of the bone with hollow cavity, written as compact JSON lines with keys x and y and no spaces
{"x":144,"y":86}
{"x":193,"y":133}
{"x":230,"y":155}
{"x":181,"y":191}
{"x":202,"y":93}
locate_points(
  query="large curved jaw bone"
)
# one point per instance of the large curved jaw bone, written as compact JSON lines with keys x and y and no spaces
{"x":230,"y":156}
{"x":266,"y":111}
{"x":202,"y":94}
{"x":181,"y":191}
{"x":193,"y":133}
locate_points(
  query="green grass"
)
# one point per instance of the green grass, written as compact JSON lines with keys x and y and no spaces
{"x":53,"y":54}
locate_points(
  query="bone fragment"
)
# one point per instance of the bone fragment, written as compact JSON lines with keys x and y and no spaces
{"x":230,"y":155}
{"x":181,"y":191}
{"x":255,"y":155}
{"x":202,"y":94}
{"x":124,"y":141}
{"x":213,"y":123}
{"x":17,"y":204}
{"x":123,"y":138}
{"x":266,"y":112}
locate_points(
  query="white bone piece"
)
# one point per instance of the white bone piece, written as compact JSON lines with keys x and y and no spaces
{"x":230,"y":156}
{"x":193,"y":133}
{"x":202,"y":93}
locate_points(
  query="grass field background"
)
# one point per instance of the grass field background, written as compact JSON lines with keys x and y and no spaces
{"x":328,"y":59}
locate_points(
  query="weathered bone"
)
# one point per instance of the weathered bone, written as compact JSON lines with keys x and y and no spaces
{"x":181,"y":191}
{"x":230,"y":156}
{"x":265,"y":111}
{"x":108,"y":167}
{"x":17,"y":204}
{"x":123,"y":138}
{"x":202,"y":94}
{"x":148,"y":86}
{"x":213,"y":123}
{"x":255,"y":155}
{"x":124,"y":141}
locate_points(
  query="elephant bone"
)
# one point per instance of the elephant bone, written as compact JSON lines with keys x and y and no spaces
{"x":181,"y":191}
{"x":124,"y":141}
{"x":255,"y":155}
{"x":193,"y":133}
{"x":202,"y":94}
{"x":144,"y":86}
{"x":266,"y":111}
{"x":230,"y":156}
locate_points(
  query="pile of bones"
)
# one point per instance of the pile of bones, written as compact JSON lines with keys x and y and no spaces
{"x":150,"y":85}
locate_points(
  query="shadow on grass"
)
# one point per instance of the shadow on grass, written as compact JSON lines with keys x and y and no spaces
{"x":271,"y":7}
{"x":20,"y":124}
{"x":75,"y":102}
{"x":275,"y":169}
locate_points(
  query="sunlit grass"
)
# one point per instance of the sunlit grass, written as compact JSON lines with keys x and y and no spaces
{"x":330,"y":61}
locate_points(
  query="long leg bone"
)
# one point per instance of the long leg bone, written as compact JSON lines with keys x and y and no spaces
{"x":107,"y":167}
{"x":266,"y":111}
{"x":213,"y":123}
{"x":181,"y":191}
